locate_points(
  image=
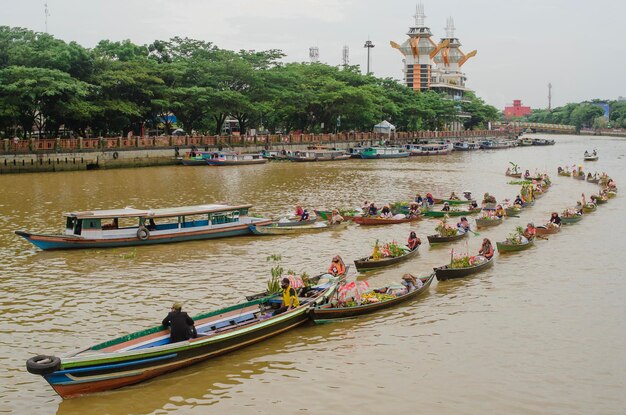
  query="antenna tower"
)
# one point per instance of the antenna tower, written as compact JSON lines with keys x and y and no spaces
{"x":314,"y":54}
{"x":46,"y":13}
{"x":549,"y":96}
{"x":346,"y":55}
{"x":369,"y":45}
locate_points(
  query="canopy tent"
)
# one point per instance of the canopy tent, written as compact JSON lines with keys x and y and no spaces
{"x":384,"y":127}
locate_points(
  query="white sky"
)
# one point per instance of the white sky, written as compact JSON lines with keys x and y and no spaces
{"x":576,"y":45}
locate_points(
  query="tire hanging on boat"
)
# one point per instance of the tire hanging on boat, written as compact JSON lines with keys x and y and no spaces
{"x":43,"y":365}
{"x":143,"y":233}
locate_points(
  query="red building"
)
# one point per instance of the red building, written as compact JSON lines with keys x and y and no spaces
{"x":516,"y":110}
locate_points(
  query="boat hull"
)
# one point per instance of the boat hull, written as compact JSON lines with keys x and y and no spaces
{"x":543,"y":230}
{"x":323,"y":313}
{"x":235,"y":162}
{"x":444,"y":273}
{"x":52,"y":242}
{"x":571,"y":219}
{"x":436,"y":239}
{"x":482,"y":223}
{"x":365,"y":221}
{"x":384,"y":156}
{"x":506,"y":247}
{"x":364,"y":264}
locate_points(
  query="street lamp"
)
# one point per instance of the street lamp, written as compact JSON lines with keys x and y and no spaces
{"x":368,"y":45}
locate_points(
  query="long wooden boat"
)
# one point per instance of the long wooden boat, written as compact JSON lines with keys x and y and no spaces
{"x":438,"y":239}
{"x":294,"y":221}
{"x":327,"y":312}
{"x":383,"y":153}
{"x":318,"y":155}
{"x":466,"y":146}
{"x":592,"y":158}
{"x":370,"y":221}
{"x":223,"y":158}
{"x":484,"y":223}
{"x":564,"y":173}
{"x":428,"y":149}
{"x":87,"y":229}
{"x":571,"y":219}
{"x":547,"y":230}
{"x":445,"y":273}
{"x":146,"y":354}
{"x":366,"y":263}
{"x":273,"y":229}
{"x":508,"y":247}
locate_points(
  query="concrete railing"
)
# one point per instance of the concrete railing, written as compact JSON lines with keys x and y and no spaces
{"x":73,"y":145}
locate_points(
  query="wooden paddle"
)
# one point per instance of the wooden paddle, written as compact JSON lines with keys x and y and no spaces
{"x":513,"y":216}
{"x":545,"y":238}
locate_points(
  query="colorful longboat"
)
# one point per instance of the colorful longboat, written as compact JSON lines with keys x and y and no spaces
{"x":146,"y":354}
{"x":132,"y":227}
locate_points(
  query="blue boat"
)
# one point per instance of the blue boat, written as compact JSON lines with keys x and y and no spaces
{"x":132,"y":227}
{"x":383,"y":152}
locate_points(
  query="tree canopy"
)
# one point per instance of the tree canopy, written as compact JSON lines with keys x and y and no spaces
{"x":117,"y":87}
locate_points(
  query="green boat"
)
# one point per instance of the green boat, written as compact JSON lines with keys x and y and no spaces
{"x":513,"y":211}
{"x":327,"y":214}
{"x":599,"y":200}
{"x":509,"y":247}
{"x":451,"y":213}
{"x":571,"y":219}
{"x":590,"y":207}
{"x":484,"y":222}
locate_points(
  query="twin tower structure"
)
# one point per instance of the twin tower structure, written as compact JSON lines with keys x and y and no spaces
{"x":433,"y":66}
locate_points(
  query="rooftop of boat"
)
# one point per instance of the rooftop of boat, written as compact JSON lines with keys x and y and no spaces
{"x":154,"y":213}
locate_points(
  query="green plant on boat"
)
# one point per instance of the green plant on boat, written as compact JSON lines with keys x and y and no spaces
{"x":444,"y":229}
{"x":273,"y":284}
{"x":515,"y":238}
{"x":460,"y":262}
{"x":347,"y":212}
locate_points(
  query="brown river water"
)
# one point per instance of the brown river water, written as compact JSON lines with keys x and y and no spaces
{"x":541,"y":332}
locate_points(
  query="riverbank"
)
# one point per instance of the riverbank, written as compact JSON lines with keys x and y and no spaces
{"x":54,"y":155}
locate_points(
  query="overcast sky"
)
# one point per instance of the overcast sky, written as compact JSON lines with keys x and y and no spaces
{"x":576,"y":45}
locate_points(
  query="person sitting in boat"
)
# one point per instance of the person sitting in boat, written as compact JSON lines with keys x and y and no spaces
{"x":555,"y":220}
{"x":336,"y":218}
{"x":526,"y":174}
{"x":181,"y":325}
{"x":305,"y":215}
{"x":463,"y":226}
{"x":453,"y":196}
{"x":418,"y":199}
{"x":467,"y":195}
{"x":446,"y":207}
{"x":500,"y":212}
{"x":559,"y":169}
{"x":518,"y":201}
{"x":372,"y":210}
{"x":486,"y":249}
{"x":290,"y":297}
{"x":366,"y":207}
{"x":584,"y":200}
{"x":530,"y":231}
{"x":113,"y":225}
{"x":413,"y":241}
{"x":151,"y":225}
{"x":589,"y":176}
{"x":411,"y":283}
{"x":430,"y":199}
{"x":414,"y":210}
{"x":299,"y":210}
{"x":386,"y":212}
{"x":611,"y":184}
{"x":337,"y":267}
{"x":508,"y":171}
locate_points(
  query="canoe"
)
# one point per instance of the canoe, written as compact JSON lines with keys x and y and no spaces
{"x":273,"y":229}
{"x":293,"y":222}
{"x":596,"y":181}
{"x":579,"y":177}
{"x":484,"y":223}
{"x":516,"y":175}
{"x":600,"y":200}
{"x":437,"y":239}
{"x":528,"y":204}
{"x":590,"y":207}
{"x":327,"y":312}
{"x":564,"y":173}
{"x":369,"y":221}
{"x":507,"y":247}
{"x":368,"y":263}
{"x":444,"y":273}
{"x":457,"y":202}
{"x":145,"y":354}
{"x":544,"y":230}
{"x":591,"y":158}
{"x":571,"y":219}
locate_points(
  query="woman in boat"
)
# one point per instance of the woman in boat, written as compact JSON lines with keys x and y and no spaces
{"x":386,"y":212}
{"x":372,"y":210}
{"x":463,"y":226}
{"x":411,"y":283}
{"x":486,"y":249}
{"x":467,"y":195}
{"x":530,"y":231}
{"x":366,"y":207}
{"x":446,"y":207}
{"x":555,"y":220}
{"x":299,"y":210}
{"x":611,"y":184}
{"x":336,"y":218}
{"x":526,"y":174}
{"x":290,"y":297}
{"x":305,"y":215}
{"x":508,"y":171}
{"x":500,"y":212}
{"x":473,"y":204}
{"x":418,"y":199}
{"x":518,"y":201}
{"x":453,"y":196}
{"x":180,"y":324}
{"x":559,"y":170}
{"x":337,"y":267}
{"x":413,"y":241}
{"x":430,"y":199}
{"x":413,"y":210}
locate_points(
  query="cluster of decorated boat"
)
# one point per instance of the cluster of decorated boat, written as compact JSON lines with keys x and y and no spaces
{"x":148,"y":353}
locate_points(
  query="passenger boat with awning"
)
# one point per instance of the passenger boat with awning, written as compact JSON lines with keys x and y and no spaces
{"x":222,"y":158}
{"x":383,"y":153}
{"x":319,"y":155}
{"x":131,"y":227}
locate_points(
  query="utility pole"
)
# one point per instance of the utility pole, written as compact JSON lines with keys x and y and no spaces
{"x":549,"y":96}
{"x":46,"y":13}
{"x":368,"y":45}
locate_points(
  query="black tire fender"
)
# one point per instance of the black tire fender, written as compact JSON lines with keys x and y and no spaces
{"x":43,"y":365}
{"x":377,"y":156}
{"x":143,"y":233}
{"x":115,"y":155}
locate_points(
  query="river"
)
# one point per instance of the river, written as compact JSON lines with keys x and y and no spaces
{"x":541,"y":332}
